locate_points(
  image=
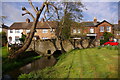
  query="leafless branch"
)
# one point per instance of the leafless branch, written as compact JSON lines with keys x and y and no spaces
{"x":32,"y":6}
{"x":46,"y":17}
{"x":37,"y":8}
{"x":27,"y":12}
{"x":56,"y":10}
{"x":49,"y":26}
{"x":47,"y":10}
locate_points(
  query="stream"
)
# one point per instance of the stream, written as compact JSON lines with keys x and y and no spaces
{"x":33,"y":66}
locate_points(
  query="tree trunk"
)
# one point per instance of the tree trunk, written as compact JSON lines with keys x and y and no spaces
{"x":28,"y":41}
{"x":61,"y":45}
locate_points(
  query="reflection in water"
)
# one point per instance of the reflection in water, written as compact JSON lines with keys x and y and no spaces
{"x":34,"y":66}
{"x":39,"y":64}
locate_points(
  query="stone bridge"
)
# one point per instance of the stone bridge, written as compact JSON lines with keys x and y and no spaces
{"x":43,"y":46}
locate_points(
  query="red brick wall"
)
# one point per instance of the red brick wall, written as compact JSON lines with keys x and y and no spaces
{"x":96,"y":29}
{"x":104,"y":24}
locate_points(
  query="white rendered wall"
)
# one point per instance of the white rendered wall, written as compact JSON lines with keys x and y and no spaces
{"x":0,"y":29}
{"x":13,"y":36}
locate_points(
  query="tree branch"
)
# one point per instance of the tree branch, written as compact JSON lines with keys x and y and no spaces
{"x":27,"y":12}
{"x":49,"y":17}
{"x":54,"y":8}
{"x":32,"y":6}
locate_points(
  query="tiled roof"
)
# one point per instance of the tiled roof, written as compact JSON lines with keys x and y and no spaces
{"x":40,"y":25}
{"x":103,"y":22}
{"x":88,"y":24}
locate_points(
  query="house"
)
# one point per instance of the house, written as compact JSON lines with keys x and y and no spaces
{"x":93,"y":29}
{"x":44,"y":30}
{"x":116,"y":30}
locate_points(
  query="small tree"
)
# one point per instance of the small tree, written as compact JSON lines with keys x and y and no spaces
{"x":71,"y":11}
{"x":66,"y":25}
{"x":22,"y":39}
{"x":3,"y":39}
{"x":107,"y":36}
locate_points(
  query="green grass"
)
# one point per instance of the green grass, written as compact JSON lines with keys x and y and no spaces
{"x":10,"y":65}
{"x":86,"y":63}
{"x":4,"y":51}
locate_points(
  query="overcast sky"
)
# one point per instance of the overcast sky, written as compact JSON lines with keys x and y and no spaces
{"x":101,"y":10}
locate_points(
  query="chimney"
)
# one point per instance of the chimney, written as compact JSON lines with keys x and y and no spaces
{"x":43,"y":20}
{"x":27,"y":20}
{"x":95,"y":20}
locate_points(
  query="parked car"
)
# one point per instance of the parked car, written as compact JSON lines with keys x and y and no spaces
{"x":111,"y":42}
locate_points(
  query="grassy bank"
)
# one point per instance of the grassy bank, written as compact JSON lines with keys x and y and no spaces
{"x":11,"y":65}
{"x":86,"y":63}
{"x":4,"y":51}
{"x":8,"y":65}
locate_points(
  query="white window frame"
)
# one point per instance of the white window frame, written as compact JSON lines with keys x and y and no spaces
{"x":74,"y":31}
{"x":17,"y":31}
{"x":91,"y":30}
{"x":101,"y":28}
{"x":44,"y":31}
{"x":108,"y":29}
{"x":79,"y":31}
{"x":11,"y":31}
{"x":27,"y":31}
{"x":17,"y":39}
{"x":44,"y":38}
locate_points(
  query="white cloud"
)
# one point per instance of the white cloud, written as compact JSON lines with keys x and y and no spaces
{"x":102,"y":10}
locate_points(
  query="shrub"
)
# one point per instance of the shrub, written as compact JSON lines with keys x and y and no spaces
{"x":99,"y":47}
{"x":102,"y":42}
{"x":3,"y":39}
{"x":115,"y":47}
{"x":111,"y":47}
{"x":22,"y":39}
{"x":106,"y":37}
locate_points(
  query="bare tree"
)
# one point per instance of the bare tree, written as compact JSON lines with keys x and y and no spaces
{"x":38,"y":13}
{"x":2,"y":19}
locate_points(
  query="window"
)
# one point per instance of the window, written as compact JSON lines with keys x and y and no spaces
{"x":118,"y":34}
{"x":11,"y":31}
{"x":74,"y":30}
{"x":108,"y":29}
{"x":91,"y":30}
{"x":17,"y":31}
{"x":16,"y":38}
{"x":101,"y":37}
{"x":44,"y":31}
{"x":101,"y":29}
{"x":27,"y":31}
{"x":78,"y":30}
{"x":10,"y":39}
{"x":44,"y":38}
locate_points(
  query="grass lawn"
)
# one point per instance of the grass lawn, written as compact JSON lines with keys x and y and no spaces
{"x":86,"y":63}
